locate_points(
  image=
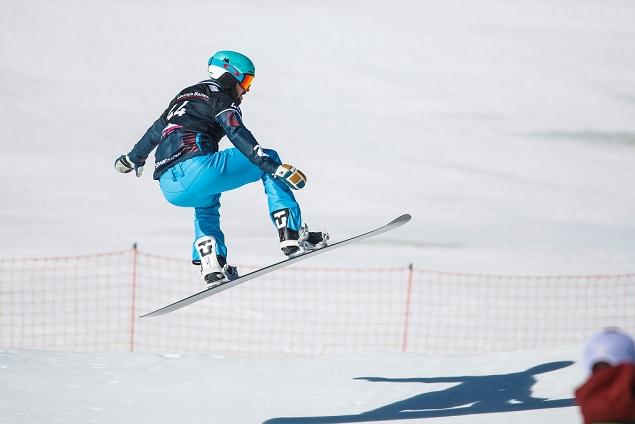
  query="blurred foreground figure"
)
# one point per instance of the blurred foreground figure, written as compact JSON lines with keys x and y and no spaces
{"x":192,"y":172}
{"x":608,"y":395}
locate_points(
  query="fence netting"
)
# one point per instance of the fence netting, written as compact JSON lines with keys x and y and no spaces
{"x":91,"y":303}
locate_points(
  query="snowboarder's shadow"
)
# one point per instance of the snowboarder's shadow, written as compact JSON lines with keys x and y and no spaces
{"x":472,"y":395}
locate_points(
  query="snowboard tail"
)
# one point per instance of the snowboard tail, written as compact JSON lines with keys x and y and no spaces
{"x":395,"y":223}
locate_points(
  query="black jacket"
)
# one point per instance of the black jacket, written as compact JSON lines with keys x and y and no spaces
{"x":192,"y":125}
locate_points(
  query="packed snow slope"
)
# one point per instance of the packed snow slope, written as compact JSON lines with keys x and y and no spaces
{"x":523,"y":387}
{"x":505,"y":129}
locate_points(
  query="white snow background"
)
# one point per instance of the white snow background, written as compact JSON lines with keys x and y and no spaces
{"x":506,"y":128}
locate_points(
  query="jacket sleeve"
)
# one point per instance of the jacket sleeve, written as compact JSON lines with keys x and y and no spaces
{"x":148,"y":142}
{"x":231,"y":122}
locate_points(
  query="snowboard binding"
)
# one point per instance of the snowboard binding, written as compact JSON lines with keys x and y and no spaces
{"x":293,"y":243}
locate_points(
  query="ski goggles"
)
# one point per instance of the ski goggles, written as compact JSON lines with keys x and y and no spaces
{"x":247,"y":80}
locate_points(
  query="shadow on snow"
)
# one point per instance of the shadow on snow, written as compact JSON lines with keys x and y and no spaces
{"x":472,"y":395}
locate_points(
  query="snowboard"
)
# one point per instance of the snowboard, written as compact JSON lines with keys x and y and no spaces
{"x":395,"y":223}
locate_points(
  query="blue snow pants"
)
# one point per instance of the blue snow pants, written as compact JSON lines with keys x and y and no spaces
{"x":198,"y":183}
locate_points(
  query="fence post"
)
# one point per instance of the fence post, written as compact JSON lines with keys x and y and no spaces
{"x":406,"y":320}
{"x":133,"y":297}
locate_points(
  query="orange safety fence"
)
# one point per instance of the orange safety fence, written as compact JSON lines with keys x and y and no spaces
{"x":91,"y":303}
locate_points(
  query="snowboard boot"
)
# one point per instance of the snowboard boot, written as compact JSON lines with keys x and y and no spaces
{"x":216,"y":277}
{"x":292,"y":243}
{"x":214,"y":268}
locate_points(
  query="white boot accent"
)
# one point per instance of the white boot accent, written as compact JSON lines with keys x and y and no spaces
{"x":289,"y":243}
{"x":206,"y":247}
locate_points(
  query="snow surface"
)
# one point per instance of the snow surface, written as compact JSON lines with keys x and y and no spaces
{"x":53,"y":387}
{"x":505,"y":128}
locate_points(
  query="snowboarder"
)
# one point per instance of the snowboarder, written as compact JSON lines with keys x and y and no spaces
{"x":192,"y":172}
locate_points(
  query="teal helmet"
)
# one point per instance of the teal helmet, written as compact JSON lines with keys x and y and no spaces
{"x":227,"y":63}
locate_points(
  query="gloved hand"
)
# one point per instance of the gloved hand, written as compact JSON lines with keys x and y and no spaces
{"x":291,"y":175}
{"x":124,"y":165}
